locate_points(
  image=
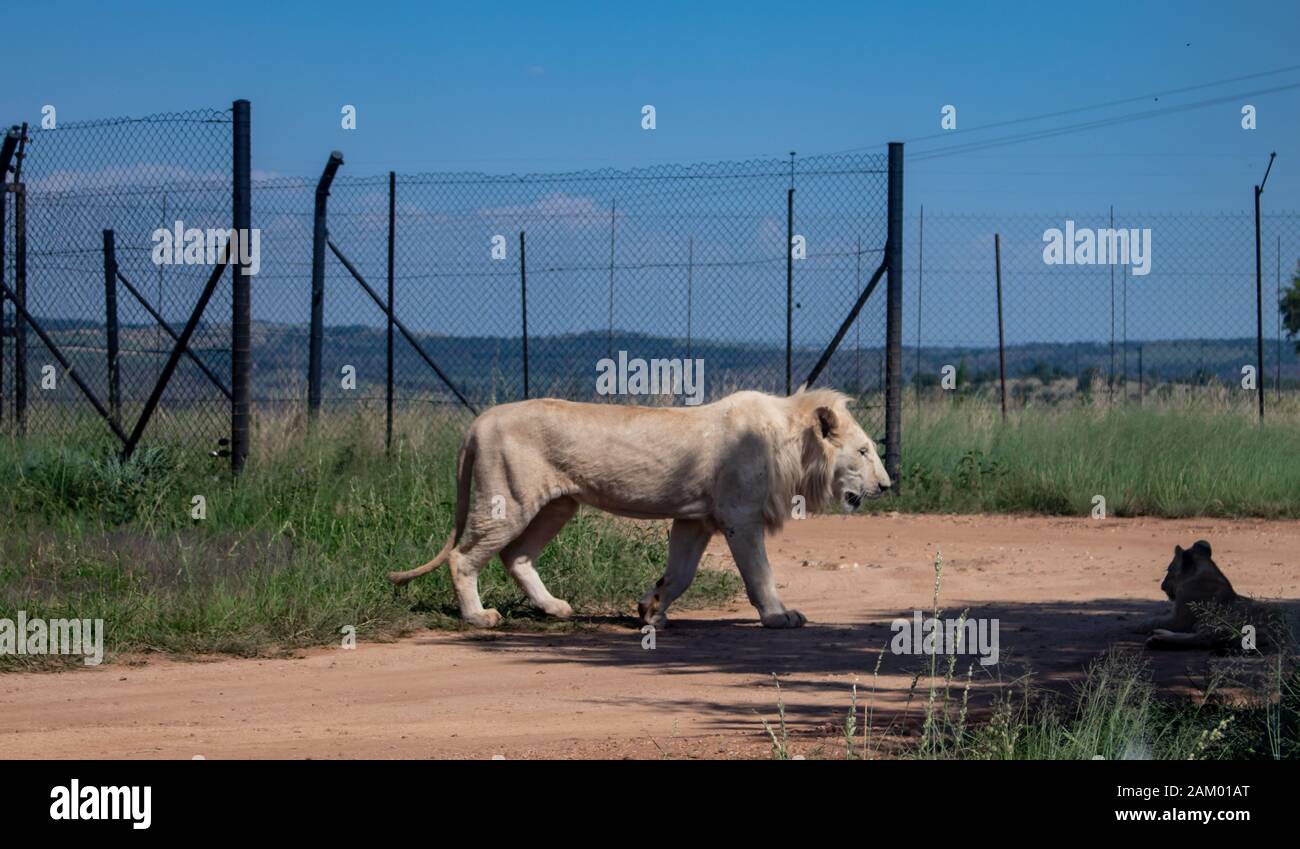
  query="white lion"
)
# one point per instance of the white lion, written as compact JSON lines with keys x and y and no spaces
{"x":738,"y":465}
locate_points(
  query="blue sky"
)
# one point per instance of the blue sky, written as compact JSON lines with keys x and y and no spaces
{"x":513,"y":86}
{"x":510,"y":87}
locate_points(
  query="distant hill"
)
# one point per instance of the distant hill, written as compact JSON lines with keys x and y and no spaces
{"x":490,"y":369}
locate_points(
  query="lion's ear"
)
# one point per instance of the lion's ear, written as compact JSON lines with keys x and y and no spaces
{"x":827,"y":422}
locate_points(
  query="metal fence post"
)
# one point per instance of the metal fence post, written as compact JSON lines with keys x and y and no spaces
{"x":1142,"y":379}
{"x":317,"y":330}
{"x":110,"y":326}
{"x":1259,"y":295}
{"x":20,"y":299}
{"x":1110,"y":369}
{"x":523,"y":306}
{"x":241,"y":301}
{"x":1002,"y":347}
{"x":1259,"y":290}
{"x":7,"y":147}
{"x":789,"y":288}
{"x":4,"y":236}
{"x":894,"y":315}
{"x":920,"y":286}
{"x":609,"y":337}
{"x":1259,"y":312}
{"x":690,"y":286}
{"x":392,"y":224}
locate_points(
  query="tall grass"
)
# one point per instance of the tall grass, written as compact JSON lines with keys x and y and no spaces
{"x":290,"y":555}
{"x":1174,"y":457}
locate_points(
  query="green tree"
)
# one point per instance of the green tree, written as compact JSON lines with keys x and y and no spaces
{"x":1086,"y":377}
{"x":1290,"y":308}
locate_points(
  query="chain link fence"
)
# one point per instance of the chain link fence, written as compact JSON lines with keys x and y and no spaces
{"x":1183,"y":312}
{"x":131,"y":176}
{"x":684,"y":262}
{"x":676,"y":262}
{"x":671,"y":262}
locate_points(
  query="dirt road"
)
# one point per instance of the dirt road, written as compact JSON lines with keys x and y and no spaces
{"x":1061,"y":589}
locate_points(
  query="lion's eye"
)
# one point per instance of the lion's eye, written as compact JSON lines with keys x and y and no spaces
{"x":862,"y":451}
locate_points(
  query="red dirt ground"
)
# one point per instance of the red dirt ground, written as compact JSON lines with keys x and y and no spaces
{"x":1063,"y":590}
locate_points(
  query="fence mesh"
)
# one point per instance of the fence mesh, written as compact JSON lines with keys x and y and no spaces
{"x":132,"y":176}
{"x":665,"y":262}
{"x":1183,"y":313}
{"x":673,"y":261}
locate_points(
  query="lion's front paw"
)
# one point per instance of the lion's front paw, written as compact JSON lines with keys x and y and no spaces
{"x":489,"y":618}
{"x":648,"y":612}
{"x":1160,"y":638}
{"x":784,"y":619}
{"x":559,"y":608}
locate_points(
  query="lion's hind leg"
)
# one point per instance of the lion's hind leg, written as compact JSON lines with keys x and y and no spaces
{"x":686,"y":544}
{"x":520,"y":555}
{"x":465,"y":566}
{"x":487,"y":534}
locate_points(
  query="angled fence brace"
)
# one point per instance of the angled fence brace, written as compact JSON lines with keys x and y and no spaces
{"x":410,"y":337}
{"x":63,"y":361}
{"x":848,"y":322}
{"x":181,"y":345}
{"x":207,"y":372}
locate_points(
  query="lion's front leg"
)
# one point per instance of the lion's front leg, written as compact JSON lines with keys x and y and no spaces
{"x":1155,"y":623}
{"x":747,"y":549}
{"x":1179,"y":618}
{"x":1201,"y":639}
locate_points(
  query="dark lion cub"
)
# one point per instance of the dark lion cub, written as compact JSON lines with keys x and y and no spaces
{"x":1207,"y":612}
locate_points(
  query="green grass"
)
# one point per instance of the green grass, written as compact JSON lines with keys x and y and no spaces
{"x":1163,"y":459}
{"x":1116,"y":713}
{"x":288,"y":557}
{"x":298,"y":549}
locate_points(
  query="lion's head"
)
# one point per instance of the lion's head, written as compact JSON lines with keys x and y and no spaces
{"x":840,"y":460}
{"x":1192,"y":566}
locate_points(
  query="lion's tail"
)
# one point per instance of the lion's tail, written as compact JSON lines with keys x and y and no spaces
{"x":464,"y":468}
